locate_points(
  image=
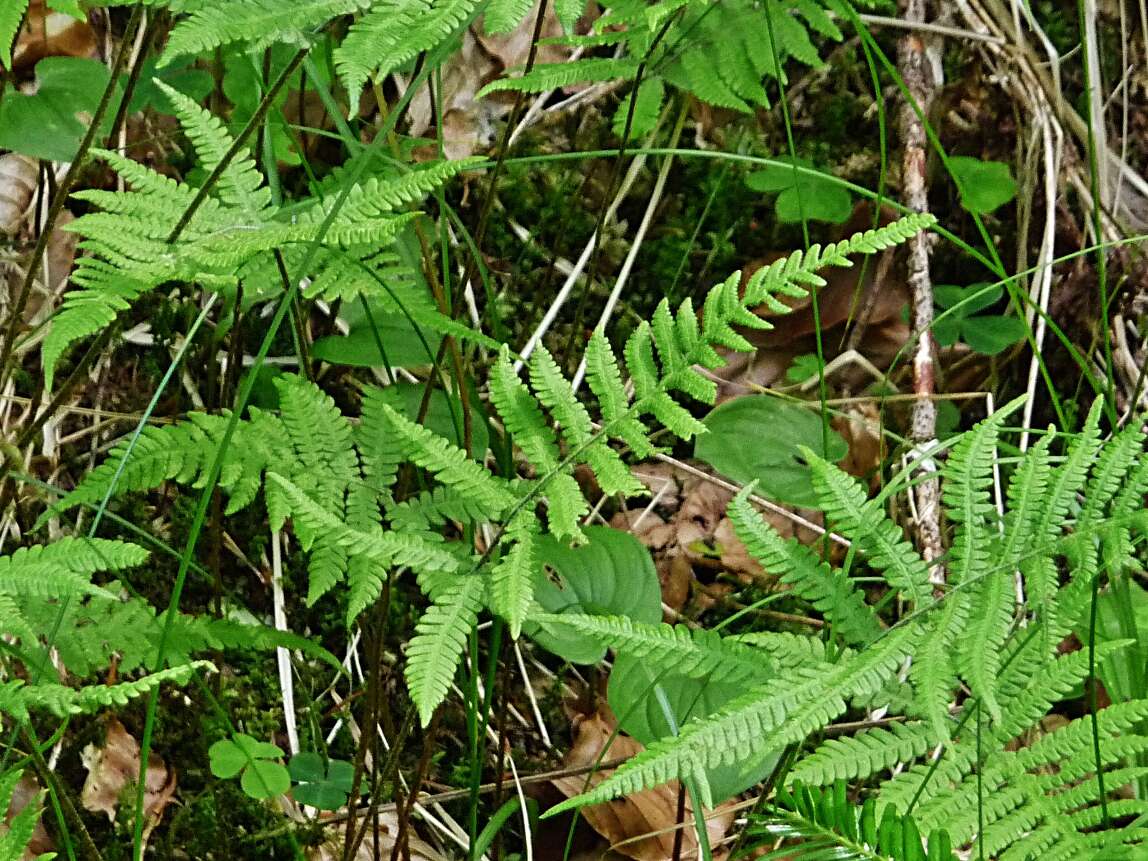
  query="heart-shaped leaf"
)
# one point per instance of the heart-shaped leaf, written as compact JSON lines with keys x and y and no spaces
{"x":984,"y":185}
{"x":610,"y":575}
{"x":639,"y":696}
{"x":759,"y":438}
{"x":802,"y":195}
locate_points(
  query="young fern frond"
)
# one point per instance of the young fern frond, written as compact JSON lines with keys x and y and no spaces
{"x":846,"y":503}
{"x":694,"y":653}
{"x":393,"y":32}
{"x":438,"y":643}
{"x":829,"y":590}
{"x":261,"y":22}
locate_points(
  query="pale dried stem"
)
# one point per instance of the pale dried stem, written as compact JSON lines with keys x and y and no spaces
{"x":916,"y":71}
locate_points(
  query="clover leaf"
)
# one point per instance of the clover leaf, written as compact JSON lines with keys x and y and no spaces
{"x":802,"y":195}
{"x":261,"y":774}
{"x":319,"y":784}
{"x":984,"y":185}
{"x":988,"y":334}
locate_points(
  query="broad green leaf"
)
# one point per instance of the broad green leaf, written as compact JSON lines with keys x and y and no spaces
{"x":802,"y":195}
{"x":265,"y":779}
{"x":634,"y":698}
{"x":610,"y":575}
{"x":984,"y":185}
{"x":758,"y":438}
{"x":47,"y":125}
{"x":991,"y":334}
{"x":649,"y":102}
{"x":360,"y":348}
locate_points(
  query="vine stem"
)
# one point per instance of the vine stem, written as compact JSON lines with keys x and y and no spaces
{"x":915,"y":71}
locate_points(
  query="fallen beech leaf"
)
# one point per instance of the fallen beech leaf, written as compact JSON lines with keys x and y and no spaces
{"x":48,"y":33}
{"x":19,"y":176}
{"x":114,"y":768}
{"x":640,"y":825}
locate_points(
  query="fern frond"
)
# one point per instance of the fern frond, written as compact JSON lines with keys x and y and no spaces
{"x":605,"y":381}
{"x":828,"y":589}
{"x":240,"y":185}
{"x":555,"y":76}
{"x":574,"y":421}
{"x":864,"y":754}
{"x":846,"y":503}
{"x":388,"y":548}
{"x":261,"y":22}
{"x":378,"y":197}
{"x":695,"y":653}
{"x":967,"y":479}
{"x":992,"y":606}
{"x":438,"y":643}
{"x":18,"y":699}
{"x":502,"y":16}
{"x":934,"y":673}
{"x":765,"y":718}
{"x":394,"y":32}
{"x":512,"y":580}
{"x":448,"y":463}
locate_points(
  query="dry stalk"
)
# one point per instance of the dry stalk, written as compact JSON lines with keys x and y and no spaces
{"x":916,"y":71}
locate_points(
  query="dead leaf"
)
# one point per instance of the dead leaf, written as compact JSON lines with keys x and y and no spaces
{"x":48,"y":33}
{"x":27,"y":791}
{"x":114,"y":768}
{"x":641,"y":825}
{"x":860,"y":426}
{"x":19,"y":176}
{"x":331,"y":849}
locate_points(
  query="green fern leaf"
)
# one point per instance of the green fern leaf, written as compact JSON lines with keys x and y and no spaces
{"x":512,"y":580}
{"x":992,"y":604}
{"x":260,"y":22}
{"x":867,"y":753}
{"x":605,"y":381}
{"x":934,"y":673}
{"x":846,"y":503}
{"x":765,"y":718}
{"x":438,"y":643}
{"x":555,"y":76}
{"x":388,"y":548}
{"x":502,"y":16}
{"x":695,"y":653}
{"x":829,"y":590}
{"x":11,"y":16}
{"x":448,"y":463}
{"x":393,"y":32}
{"x":240,"y":186}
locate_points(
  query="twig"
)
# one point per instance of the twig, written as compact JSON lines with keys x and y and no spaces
{"x":915,"y":70}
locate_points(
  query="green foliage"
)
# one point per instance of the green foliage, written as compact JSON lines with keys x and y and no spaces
{"x":775,"y":460}
{"x":261,"y":775}
{"x":720,"y":53}
{"x":827,"y":824}
{"x":21,"y":826}
{"x":322,"y":784}
{"x":47,"y":124}
{"x":949,"y":765}
{"x":801,"y":196}
{"x":984,"y":333}
{"x":983,"y":185}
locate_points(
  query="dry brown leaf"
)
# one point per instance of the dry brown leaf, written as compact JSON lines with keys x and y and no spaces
{"x":115,"y":767}
{"x":331,"y":849}
{"x":640,"y":825}
{"x":19,"y":176}
{"x":27,"y":791}
{"x":48,"y":33}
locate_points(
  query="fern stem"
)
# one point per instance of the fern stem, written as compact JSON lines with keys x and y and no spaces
{"x":16,"y":314}
{"x":1093,"y":683}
